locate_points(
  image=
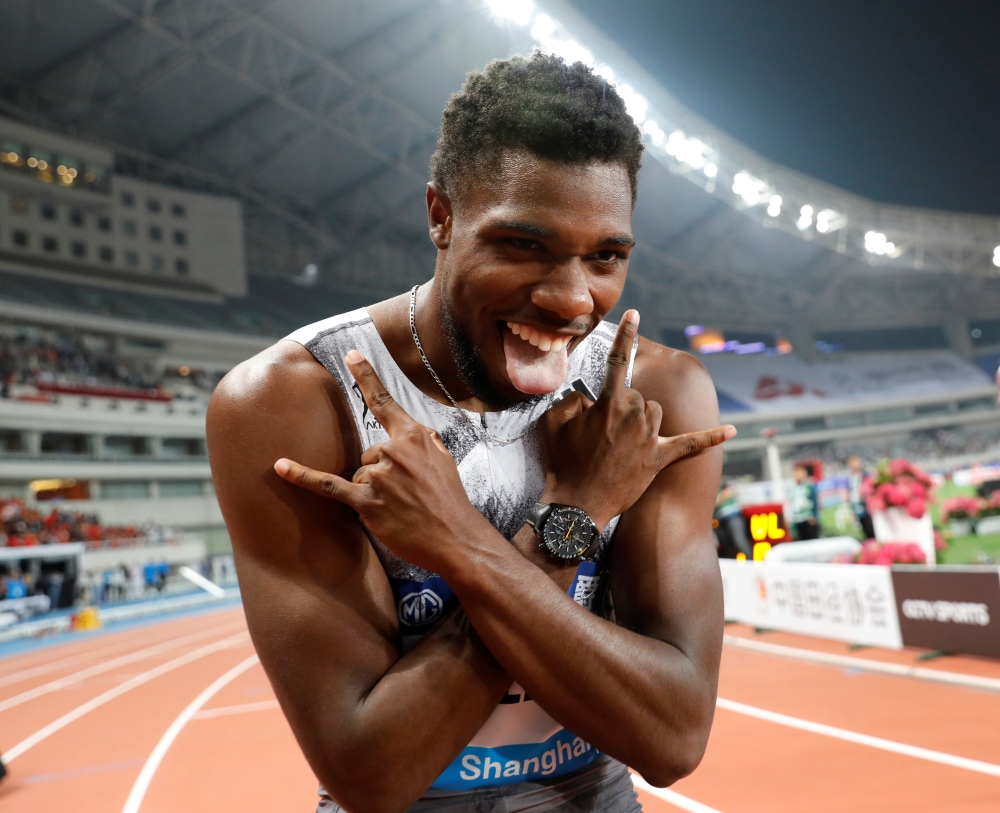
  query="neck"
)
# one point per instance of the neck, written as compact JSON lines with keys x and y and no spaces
{"x":392,"y":321}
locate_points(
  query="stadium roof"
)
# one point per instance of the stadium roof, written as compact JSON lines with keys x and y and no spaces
{"x":321,"y":116}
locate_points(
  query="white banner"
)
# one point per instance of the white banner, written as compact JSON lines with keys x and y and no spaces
{"x":851,"y":603}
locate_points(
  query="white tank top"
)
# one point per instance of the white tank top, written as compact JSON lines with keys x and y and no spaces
{"x":519,"y":742}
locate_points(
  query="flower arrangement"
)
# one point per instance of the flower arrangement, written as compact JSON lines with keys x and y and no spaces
{"x":890,"y":553}
{"x":961,"y":508}
{"x":898,"y":484}
{"x":990,"y":507}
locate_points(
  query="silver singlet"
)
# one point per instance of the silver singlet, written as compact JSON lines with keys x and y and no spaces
{"x":521,"y":759}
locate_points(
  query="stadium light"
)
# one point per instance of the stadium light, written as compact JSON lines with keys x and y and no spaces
{"x":828,"y":220}
{"x":876,"y":243}
{"x":805,"y":217}
{"x":710,"y":170}
{"x":774,"y":206}
{"x":517,"y":11}
{"x":544,"y":31}
{"x":690,"y":151}
{"x":749,"y":188}
{"x":654,"y":131}
{"x":996,"y":256}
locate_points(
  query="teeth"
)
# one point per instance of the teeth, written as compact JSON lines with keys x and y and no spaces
{"x":543,"y":341}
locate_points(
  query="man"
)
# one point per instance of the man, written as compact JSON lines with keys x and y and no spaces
{"x":805,"y":506}
{"x":855,"y":479}
{"x":442,"y":654}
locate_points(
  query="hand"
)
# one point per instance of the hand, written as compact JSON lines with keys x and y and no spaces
{"x":407,"y":491}
{"x":601,"y":457}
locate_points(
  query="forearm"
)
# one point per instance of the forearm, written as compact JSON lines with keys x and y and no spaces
{"x":584,"y":670}
{"x":383,"y":746}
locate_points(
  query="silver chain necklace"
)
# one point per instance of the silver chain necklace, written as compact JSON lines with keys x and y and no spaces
{"x":484,"y":433}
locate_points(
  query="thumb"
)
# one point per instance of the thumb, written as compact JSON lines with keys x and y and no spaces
{"x":568,"y":408}
{"x":322,"y":483}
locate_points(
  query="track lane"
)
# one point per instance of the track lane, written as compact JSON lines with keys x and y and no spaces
{"x":245,"y":758}
{"x":95,"y":760}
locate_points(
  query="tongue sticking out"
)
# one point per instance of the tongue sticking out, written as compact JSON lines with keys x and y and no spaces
{"x":531,"y":370}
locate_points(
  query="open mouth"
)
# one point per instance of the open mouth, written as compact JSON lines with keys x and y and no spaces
{"x":536,"y":361}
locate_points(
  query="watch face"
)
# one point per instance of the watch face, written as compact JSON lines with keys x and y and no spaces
{"x":568,"y":532}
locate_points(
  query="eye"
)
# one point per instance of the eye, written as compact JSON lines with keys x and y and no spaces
{"x":523,"y":243}
{"x":609,"y":256}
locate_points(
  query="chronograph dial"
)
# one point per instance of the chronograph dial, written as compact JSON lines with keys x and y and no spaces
{"x":566,"y":532}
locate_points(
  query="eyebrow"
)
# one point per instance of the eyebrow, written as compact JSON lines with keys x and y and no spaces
{"x":539,"y":231}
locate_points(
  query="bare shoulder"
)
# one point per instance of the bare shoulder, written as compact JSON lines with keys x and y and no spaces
{"x":679,"y":383}
{"x":285,"y":371}
{"x":280,"y":403}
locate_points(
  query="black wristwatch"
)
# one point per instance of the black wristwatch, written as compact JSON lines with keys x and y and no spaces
{"x":565,"y":532}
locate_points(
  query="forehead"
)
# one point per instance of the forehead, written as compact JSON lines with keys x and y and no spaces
{"x":531,"y":186}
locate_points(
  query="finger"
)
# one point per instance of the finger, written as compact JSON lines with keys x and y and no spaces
{"x":382,"y":405}
{"x":568,"y":408}
{"x":679,"y":446}
{"x":320,"y":482}
{"x":619,"y":354}
{"x":437,"y":440}
{"x":372,"y":454}
{"x":654,"y":416}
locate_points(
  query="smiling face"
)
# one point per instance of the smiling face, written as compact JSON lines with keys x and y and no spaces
{"x":532,"y":257}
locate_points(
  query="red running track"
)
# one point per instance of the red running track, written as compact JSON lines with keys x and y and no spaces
{"x":179,"y":715}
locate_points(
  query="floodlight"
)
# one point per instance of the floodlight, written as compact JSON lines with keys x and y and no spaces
{"x":711,"y":170}
{"x":653,"y":130}
{"x":635,"y":103}
{"x":805,"y":217}
{"x":517,"y":11}
{"x":996,"y":256}
{"x":749,"y":188}
{"x":544,"y":27}
{"x":690,"y":151}
{"x":876,"y":243}
{"x":828,"y":220}
{"x":774,"y":206}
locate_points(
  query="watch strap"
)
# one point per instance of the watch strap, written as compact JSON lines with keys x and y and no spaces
{"x":538,"y":514}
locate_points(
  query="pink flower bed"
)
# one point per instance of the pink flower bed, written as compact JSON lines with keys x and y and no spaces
{"x":960,"y":508}
{"x":898,"y":484}
{"x":890,"y":553}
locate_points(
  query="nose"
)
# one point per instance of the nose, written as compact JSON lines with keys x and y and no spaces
{"x":565,"y":291}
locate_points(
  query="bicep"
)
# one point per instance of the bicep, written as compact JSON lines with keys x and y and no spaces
{"x":317,"y":601}
{"x":665,"y":578}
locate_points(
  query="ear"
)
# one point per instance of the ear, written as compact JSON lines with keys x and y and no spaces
{"x":439,"y":215}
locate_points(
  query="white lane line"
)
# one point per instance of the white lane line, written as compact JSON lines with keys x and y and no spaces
{"x":225,"y":711}
{"x":861,"y":739}
{"x":44,"y":668}
{"x":117,"y":691}
{"x":107,"y":666}
{"x":866,"y":665}
{"x":672,"y":796}
{"x":138,"y":792}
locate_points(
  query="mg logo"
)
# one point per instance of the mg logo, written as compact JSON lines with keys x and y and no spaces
{"x":416,"y":609}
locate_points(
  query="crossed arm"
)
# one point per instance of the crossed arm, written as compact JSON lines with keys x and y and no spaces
{"x":378,"y":726}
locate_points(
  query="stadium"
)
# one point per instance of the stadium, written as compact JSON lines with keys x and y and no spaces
{"x":183,"y":183}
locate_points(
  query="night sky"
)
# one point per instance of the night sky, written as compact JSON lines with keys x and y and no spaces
{"x":892,"y":99}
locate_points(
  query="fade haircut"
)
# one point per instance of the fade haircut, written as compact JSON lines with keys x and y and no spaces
{"x":535,"y":104}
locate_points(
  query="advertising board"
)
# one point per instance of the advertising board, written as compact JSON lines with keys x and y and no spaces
{"x":954,"y":610}
{"x":850,"y":603}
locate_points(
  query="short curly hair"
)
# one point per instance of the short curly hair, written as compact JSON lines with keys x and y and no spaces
{"x":537,"y":104}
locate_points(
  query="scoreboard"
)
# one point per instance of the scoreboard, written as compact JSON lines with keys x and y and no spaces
{"x":765,"y":527}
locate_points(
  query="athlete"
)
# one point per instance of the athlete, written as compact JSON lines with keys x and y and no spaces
{"x":472,"y":523}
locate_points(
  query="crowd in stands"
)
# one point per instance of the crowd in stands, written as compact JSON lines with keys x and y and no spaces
{"x":924,"y":445}
{"x":32,"y":356}
{"x":23,"y":526}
